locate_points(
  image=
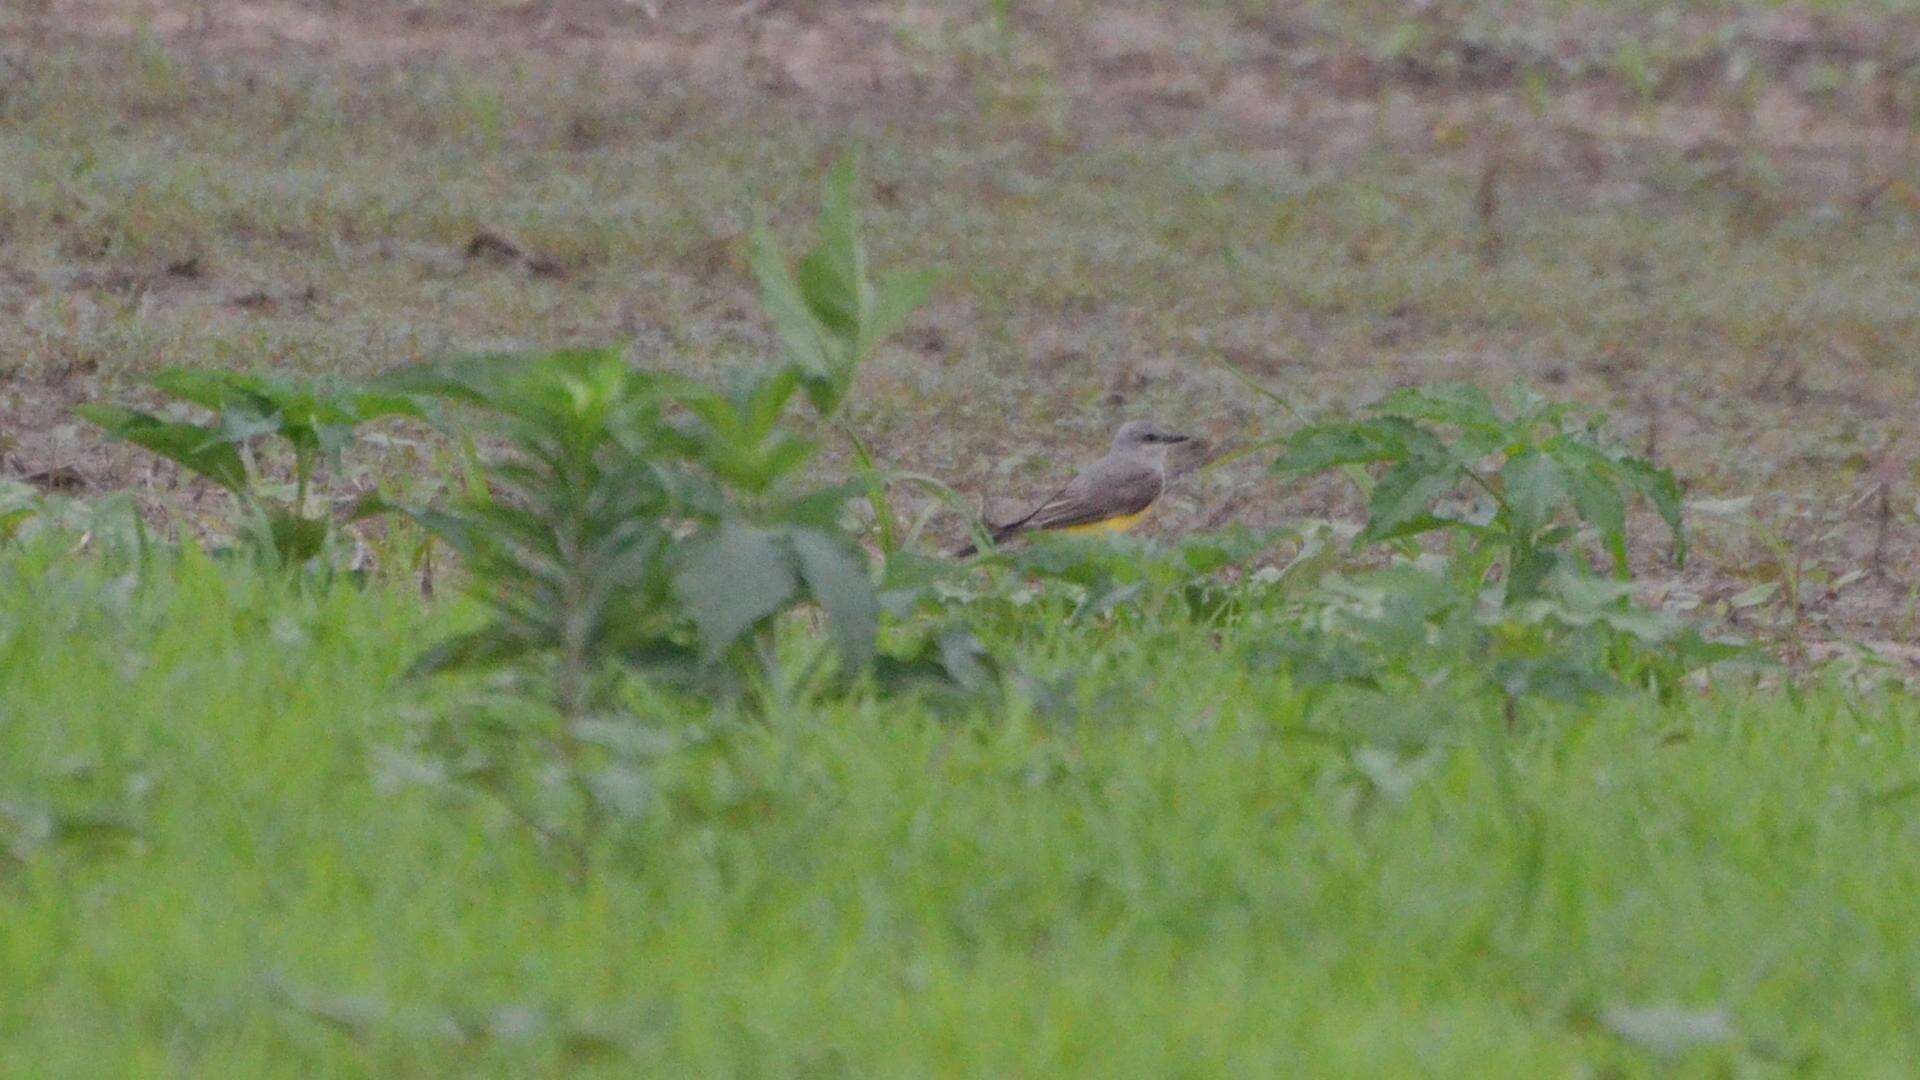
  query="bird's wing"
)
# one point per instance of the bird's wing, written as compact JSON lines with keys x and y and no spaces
{"x":1109,"y":488}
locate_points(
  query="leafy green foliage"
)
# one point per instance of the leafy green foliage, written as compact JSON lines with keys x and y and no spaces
{"x":1528,"y":494}
{"x":829,"y":311}
{"x":639,"y":519}
{"x":1516,"y":488}
{"x":297,"y":850}
{"x":199,"y":448}
{"x":315,"y":419}
{"x":643,"y":524}
{"x":635,"y":524}
{"x":1074,"y":577}
{"x":1411,"y":625}
{"x":639,"y":515}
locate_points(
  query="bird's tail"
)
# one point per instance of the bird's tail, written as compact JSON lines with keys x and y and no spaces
{"x":997,"y":532}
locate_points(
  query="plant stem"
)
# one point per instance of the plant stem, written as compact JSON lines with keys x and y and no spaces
{"x":302,"y":467}
{"x":574,"y":847}
{"x":574,"y":690}
{"x":876,"y":481}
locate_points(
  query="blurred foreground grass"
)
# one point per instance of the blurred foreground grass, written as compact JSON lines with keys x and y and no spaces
{"x":217,"y":863}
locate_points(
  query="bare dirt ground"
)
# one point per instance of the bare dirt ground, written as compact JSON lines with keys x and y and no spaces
{"x":1703,"y":220}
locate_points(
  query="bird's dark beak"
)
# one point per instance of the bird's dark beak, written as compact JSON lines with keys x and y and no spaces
{"x":1179,"y":438}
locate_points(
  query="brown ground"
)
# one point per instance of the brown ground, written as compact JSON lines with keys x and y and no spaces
{"x":1705,"y":222}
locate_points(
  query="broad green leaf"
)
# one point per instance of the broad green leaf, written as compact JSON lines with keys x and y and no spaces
{"x":1579,"y":599}
{"x":767,"y":400}
{"x":833,"y":276}
{"x":1527,"y":570}
{"x":374,"y":404}
{"x":896,"y":297}
{"x":783,"y":454}
{"x":838,"y":580}
{"x":910,"y":580}
{"x":1584,"y":592}
{"x":201,"y":449}
{"x":712,"y":408}
{"x":661,"y":658}
{"x":1535,"y":489}
{"x":1650,"y":627}
{"x":1623,"y":473}
{"x":1662,"y":489}
{"x":731,"y":578}
{"x":474,"y":379}
{"x":215,"y":391}
{"x":965,"y":659}
{"x":1694,"y":651}
{"x":491,"y":646}
{"x":457,"y":532}
{"x":1554,"y":677}
{"x":1402,"y":503}
{"x":800,"y":331}
{"x":1318,"y":447}
{"x":1755,"y":596}
{"x":295,"y":539}
{"x":1595,"y":497}
{"x":588,"y":387}
{"x":820,"y":508}
{"x":756,"y":469}
{"x":1462,"y":405}
{"x":245,"y":419}
{"x":1315,"y":658}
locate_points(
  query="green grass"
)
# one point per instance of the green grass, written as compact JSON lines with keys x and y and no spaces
{"x":217,"y":857}
{"x":1160,"y":874}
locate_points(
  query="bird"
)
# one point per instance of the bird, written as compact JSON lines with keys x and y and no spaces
{"x":1111,"y":495}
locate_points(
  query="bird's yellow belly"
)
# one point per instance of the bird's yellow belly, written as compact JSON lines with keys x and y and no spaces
{"x":1111,"y":525}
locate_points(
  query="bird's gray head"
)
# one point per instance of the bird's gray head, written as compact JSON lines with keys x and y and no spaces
{"x":1145,"y":435}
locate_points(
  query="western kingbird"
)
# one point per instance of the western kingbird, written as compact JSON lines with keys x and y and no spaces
{"x":1110,"y":495}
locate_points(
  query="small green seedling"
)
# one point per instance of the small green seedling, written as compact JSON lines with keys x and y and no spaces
{"x":313,"y":419}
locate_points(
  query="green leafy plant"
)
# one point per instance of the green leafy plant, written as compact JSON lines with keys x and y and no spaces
{"x":830,"y":312}
{"x":1529,"y":493}
{"x":646,"y":524}
{"x":1518,"y":490}
{"x":828,"y":309}
{"x":312,"y":420}
{"x":642,"y":517}
{"x":944,"y":612}
{"x":634,"y":524}
{"x":1411,"y":624}
{"x":641,"y":531}
{"x":1078,"y":577}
